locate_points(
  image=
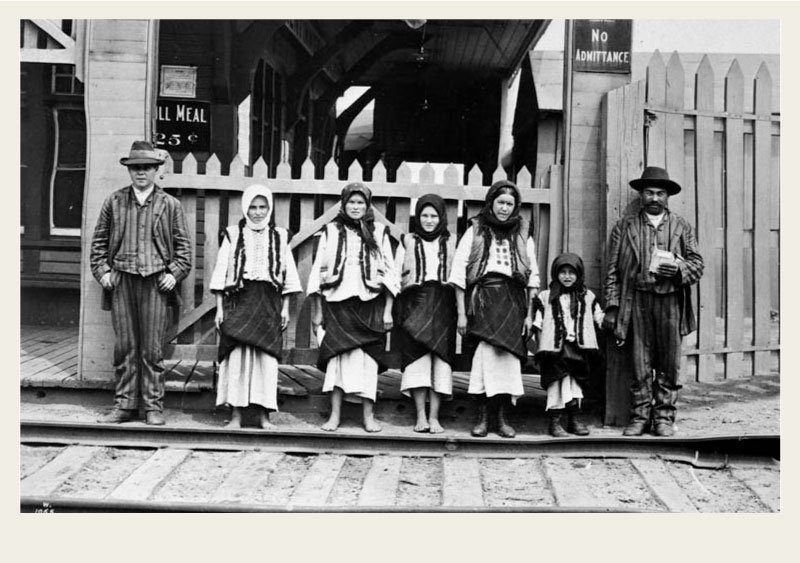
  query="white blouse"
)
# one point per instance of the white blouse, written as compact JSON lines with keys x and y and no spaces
{"x":352,"y":283}
{"x":499,"y":260}
{"x":256,"y":266}
{"x":431,"y":250}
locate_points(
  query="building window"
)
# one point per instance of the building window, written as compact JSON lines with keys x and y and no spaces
{"x":69,"y":152}
{"x":267,"y":115}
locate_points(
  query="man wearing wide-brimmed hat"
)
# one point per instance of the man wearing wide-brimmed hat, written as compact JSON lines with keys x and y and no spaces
{"x":652,"y":262}
{"x":140,"y":251}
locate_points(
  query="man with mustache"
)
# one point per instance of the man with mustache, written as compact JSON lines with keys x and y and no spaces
{"x":652,"y":263}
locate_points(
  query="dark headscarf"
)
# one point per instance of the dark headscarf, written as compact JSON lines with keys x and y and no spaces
{"x":556,"y":289}
{"x":365,"y":227}
{"x":438,"y":205}
{"x":488,"y":220}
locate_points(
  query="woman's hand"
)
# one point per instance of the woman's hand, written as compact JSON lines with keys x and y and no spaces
{"x":285,"y":319}
{"x":461,"y":325}
{"x":219,"y":317}
{"x":316,"y":319}
{"x":527,"y":326}
{"x":388,"y":321}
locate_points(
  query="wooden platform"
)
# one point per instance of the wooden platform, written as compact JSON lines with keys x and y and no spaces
{"x":49,"y":358}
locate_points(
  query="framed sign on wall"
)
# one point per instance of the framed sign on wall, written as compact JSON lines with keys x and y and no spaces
{"x":178,"y":81}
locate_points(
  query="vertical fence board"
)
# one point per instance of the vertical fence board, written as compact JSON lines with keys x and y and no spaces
{"x":656,"y":128}
{"x":305,"y":257}
{"x":211,"y":244}
{"x":761,"y":218}
{"x":282,"y":203}
{"x":706,"y":212}
{"x":734,"y":223}
{"x":674,"y":131}
{"x":189,"y":203}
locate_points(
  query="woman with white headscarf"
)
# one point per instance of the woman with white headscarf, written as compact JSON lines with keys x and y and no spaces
{"x":254,"y":275}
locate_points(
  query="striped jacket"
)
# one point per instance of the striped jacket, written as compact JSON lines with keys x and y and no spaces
{"x":624,"y":265}
{"x":170,"y":234}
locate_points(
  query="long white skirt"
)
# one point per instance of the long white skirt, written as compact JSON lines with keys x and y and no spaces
{"x":561,"y":392}
{"x":248,"y":376}
{"x":494,"y":372}
{"x":355,"y":373}
{"x":430,"y":372}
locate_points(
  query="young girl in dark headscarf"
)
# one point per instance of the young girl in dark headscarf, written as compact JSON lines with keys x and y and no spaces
{"x":353,"y":284}
{"x":494,"y":265}
{"x":252,"y":280}
{"x":425,"y":311}
{"x":565,"y":316}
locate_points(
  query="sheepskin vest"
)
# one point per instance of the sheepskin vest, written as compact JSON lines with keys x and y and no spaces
{"x":476,"y":264}
{"x":554,"y":331}
{"x":373,"y":270}
{"x":415,"y":266}
{"x":278,"y":245}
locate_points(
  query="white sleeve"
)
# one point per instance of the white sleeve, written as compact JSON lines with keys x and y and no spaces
{"x":313,"y":277}
{"x":458,"y":272}
{"x":399,"y":258}
{"x":533,"y":280}
{"x":217,"y":282}
{"x":390,"y":279}
{"x":291,"y":283}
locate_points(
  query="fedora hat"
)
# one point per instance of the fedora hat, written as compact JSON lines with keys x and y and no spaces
{"x":142,"y":152}
{"x":655,"y":177}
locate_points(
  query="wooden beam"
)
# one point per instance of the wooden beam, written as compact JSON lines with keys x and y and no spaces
{"x":55,"y":32}
{"x":347,"y":116}
{"x":248,"y":46}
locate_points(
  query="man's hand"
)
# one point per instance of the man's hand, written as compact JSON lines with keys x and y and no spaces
{"x":610,"y":319}
{"x":527,"y":327}
{"x":106,"y":282}
{"x":167,"y":283}
{"x":219,"y":317}
{"x":667,"y":270}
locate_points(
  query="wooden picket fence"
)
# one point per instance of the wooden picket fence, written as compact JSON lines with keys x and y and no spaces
{"x":212,"y":201}
{"x":727,"y":160}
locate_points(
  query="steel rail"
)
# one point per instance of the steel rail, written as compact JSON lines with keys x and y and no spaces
{"x":704,"y":452}
{"x":51,"y":505}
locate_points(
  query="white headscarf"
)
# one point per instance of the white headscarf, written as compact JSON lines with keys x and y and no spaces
{"x":248,"y":196}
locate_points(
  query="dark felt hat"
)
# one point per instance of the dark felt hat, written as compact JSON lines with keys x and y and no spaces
{"x":655,"y":177}
{"x":142,"y":152}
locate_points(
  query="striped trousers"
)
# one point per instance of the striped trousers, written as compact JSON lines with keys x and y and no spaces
{"x":139,"y":316}
{"x":656,"y":356}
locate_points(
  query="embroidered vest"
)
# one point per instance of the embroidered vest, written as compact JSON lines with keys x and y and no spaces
{"x":476,"y":264}
{"x":277,"y":246}
{"x":373,"y":270}
{"x":554,"y":331}
{"x":415,"y":266}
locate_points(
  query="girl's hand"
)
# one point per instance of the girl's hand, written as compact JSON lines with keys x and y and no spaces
{"x":284,"y":319}
{"x":527,"y":327}
{"x":388,"y":321}
{"x":461,"y":325}
{"x":219,"y":317}
{"x":316,"y":320}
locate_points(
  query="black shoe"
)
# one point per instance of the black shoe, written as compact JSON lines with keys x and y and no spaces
{"x":574,"y":423}
{"x":504,"y":429}
{"x":481,"y":428}
{"x":119,"y":415}
{"x":555,"y":429}
{"x":664,"y":429}
{"x":635,"y":428}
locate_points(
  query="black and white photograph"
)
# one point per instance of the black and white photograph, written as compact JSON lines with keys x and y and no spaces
{"x":386,"y":265}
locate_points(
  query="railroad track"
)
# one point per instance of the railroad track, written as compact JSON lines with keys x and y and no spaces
{"x":114,"y":468}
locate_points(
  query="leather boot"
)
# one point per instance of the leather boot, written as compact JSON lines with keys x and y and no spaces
{"x":504,"y":429}
{"x":481,"y":427}
{"x":574,"y":423}
{"x":555,"y":429}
